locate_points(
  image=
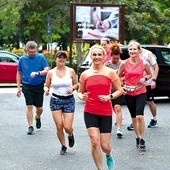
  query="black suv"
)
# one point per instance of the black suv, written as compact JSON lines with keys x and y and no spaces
{"x":162,"y":55}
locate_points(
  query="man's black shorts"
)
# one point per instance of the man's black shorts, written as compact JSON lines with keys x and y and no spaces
{"x":33,"y":94}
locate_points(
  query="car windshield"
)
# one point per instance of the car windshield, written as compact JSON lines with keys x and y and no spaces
{"x":14,"y":58}
{"x":10,"y":58}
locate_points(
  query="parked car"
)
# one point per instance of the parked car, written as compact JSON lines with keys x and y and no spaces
{"x":8,"y":67}
{"x":162,"y":56}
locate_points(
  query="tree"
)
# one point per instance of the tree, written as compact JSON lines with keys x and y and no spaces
{"x":33,"y":18}
{"x":8,"y":18}
{"x":147,"y":21}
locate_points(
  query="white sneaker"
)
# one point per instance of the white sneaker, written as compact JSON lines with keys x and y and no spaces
{"x":119,"y":133}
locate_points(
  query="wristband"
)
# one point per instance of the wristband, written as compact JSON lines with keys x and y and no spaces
{"x":146,"y":79}
{"x":111,"y":97}
{"x":154,"y":80}
{"x":38,"y":73}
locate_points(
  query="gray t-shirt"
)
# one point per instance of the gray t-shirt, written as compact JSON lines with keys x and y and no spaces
{"x":113,"y":66}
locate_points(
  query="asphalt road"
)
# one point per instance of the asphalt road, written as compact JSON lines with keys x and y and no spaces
{"x":18,"y":151}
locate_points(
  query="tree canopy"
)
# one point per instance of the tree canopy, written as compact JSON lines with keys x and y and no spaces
{"x":147,"y":21}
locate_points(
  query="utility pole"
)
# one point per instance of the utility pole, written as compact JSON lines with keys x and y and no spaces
{"x":49,"y":34}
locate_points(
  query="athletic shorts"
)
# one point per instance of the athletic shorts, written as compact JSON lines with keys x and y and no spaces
{"x":119,"y":101}
{"x":104,"y":123}
{"x":136,"y":104}
{"x":34,"y":95}
{"x":67,"y":105}
{"x":150,"y":96}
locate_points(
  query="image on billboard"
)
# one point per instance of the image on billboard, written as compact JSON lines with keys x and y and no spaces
{"x":93,"y":22}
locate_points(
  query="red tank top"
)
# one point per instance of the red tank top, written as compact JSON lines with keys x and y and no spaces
{"x":133,"y":73}
{"x":98,"y":85}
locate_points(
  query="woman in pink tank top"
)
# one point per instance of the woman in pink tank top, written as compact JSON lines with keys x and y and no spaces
{"x":133,"y":70}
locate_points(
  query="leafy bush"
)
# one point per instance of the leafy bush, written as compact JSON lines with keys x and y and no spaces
{"x":19,"y":51}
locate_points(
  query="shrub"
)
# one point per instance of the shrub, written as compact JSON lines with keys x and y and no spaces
{"x":19,"y":51}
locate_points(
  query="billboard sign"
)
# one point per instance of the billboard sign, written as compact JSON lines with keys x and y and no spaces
{"x":94,"y":21}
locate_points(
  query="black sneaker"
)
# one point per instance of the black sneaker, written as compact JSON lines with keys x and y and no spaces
{"x":153,"y":123}
{"x":137,"y":142}
{"x":142,"y":144}
{"x":71,"y":140}
{"x":63,"y":150}
{"x":130,"y":127}
{"x":38,"y":122}
{"x":30,"y":130}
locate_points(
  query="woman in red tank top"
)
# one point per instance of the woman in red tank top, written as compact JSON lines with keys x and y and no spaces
{"x":95,"y":89}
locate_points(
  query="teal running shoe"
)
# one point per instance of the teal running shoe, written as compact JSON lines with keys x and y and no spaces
{"x":110,"y":162}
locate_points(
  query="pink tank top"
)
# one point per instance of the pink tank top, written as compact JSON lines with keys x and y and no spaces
{"x":108,"y":56}
{"x":133,"y":73}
